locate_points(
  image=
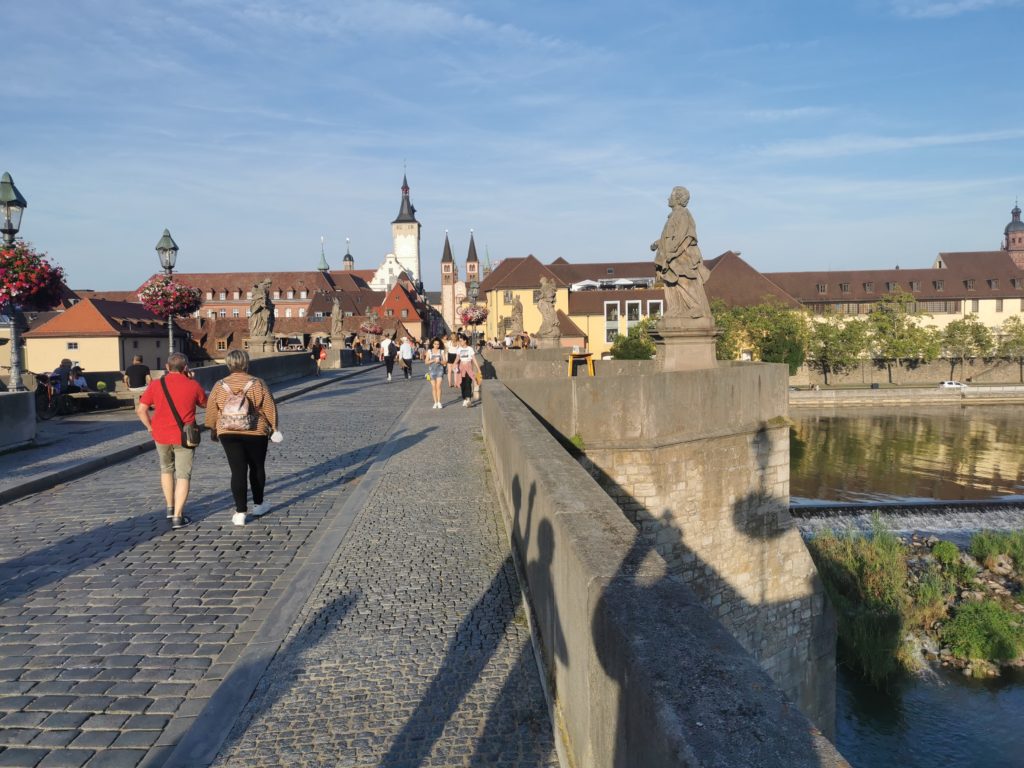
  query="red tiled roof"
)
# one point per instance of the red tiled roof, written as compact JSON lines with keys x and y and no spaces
{"x":567,"y":326}
{"x":132,"y":296}
{"x":519,"y":273}
{"x":215,"y":282}
{"x":738,"y":284}
{"x":575,"y":273}
{"x":100,"y":317}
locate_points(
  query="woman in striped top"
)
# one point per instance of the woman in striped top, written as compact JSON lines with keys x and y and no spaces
{"x":244,"y":437}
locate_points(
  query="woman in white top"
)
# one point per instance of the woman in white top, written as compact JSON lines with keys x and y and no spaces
{"x":451,"y":345}
{"x":469,"y":370}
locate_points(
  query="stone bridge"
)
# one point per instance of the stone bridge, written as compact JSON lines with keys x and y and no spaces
{"x":378,"y":615}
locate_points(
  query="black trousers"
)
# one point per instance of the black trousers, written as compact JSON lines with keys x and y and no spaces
{"x":467,"y":387}
{"x":247,"y":455}
{"x":389,"y":364}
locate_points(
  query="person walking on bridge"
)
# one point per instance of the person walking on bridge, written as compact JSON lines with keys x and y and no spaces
{"x":242,"y":416}
{"x":468,"y":370}
{"x":175,"y":459}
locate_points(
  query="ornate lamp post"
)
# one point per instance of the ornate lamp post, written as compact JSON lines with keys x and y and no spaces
{"x":167,"y":250}
{"x":12,"y":205}
{"x":472,"y":294}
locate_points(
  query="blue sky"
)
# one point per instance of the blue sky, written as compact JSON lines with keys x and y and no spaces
{"x":857,"y":133}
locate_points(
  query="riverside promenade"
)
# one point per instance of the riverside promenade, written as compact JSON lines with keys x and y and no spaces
{"x":372,"y":617}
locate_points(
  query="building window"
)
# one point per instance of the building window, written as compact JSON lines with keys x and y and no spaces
{"x":610,"y":270}
{"x":248,"y":294}
{"x":940,"y":285}
{"x":72,"y":345}
{"x":291,"y":294}
{"x":223,"y":295}
{"x":288,"y":312}
{"x":234,"y":313}
{"x":405,"y":313}
{"x":248,"y":312}
{"x":302,"y":294}
{"x":209,"y":295}
{"x":135,"y":343}
{"x":237,"y":295}
{"x":536,"y":296}
{"x":302,"y":313}
{"x":915,"y":285}
{"x":277,"y":294}
{"x":974,"y":306}
{"x":318,"y":315}
{"x":223,"y":313}
{"x":506,"y":298}
{"x":891,"y":287}
{"x":348,"y":314}
{"x":993,"y":284}
{"x":632,"y":313}
{"x":611,"y":311}
{"x":844,"y":287}
{"x":1015,"y":282}
{"x":654,"y":308}
{"x":999,"y":305}
{"x":222,"y":345}
{"x":211,"y":313}
{"x":157,"y":346}
{"x":822,"y":287}
{"x":869,"y":287}
{"x":389,"y":312}
{"x":969,"y":284}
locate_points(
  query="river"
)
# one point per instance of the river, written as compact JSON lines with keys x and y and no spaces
{"x":903,"y":465}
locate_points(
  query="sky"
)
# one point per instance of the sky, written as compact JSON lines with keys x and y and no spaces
{"x":811,"y":135}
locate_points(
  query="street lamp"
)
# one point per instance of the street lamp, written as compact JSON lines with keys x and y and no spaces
{"x":167,"y":250}
{"x":474,"y":291}
{"x":12,"y":205}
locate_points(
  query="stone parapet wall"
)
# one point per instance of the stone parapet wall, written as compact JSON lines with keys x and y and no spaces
{"x":17,"y":419}
{"x":699,"y":463}
{"x":921,"y":396}
{"x":641,"y":672}
{"x":979,"y":371}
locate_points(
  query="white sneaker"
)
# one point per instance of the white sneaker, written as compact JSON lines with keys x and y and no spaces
{"x":259,"y":509}
{"x":389,"y":377}
{"x":238,"y":518}
{"x":465,"y":403}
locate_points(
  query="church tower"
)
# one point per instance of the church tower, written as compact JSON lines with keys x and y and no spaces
{"x":448,"y":278}
{"x":348,"y":263}
{"x":1013,"y":238}
{"x":472,"y":263}
{"x":405,"y":231}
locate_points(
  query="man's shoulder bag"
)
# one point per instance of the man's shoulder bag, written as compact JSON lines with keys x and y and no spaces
{"x":190,"y":435}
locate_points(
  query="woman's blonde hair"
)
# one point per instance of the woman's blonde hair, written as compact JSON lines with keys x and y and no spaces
{"x":237,"y":360}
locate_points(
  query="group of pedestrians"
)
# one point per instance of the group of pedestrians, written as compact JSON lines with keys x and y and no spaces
{"x":240,"y":414}
{"x":450,"y":357}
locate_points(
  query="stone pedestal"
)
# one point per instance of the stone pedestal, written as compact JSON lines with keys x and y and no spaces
{"x":548,"y":342}
{"x":261,"y":346}
{"x":681,"y":348}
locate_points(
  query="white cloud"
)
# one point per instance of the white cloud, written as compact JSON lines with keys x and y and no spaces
{"x":930,"y":9}
{"x":857,"y":144}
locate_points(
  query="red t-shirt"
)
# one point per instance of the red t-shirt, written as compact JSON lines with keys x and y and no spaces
{"x":186,"y":394}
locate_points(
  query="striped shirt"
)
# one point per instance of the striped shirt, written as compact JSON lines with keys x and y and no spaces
{"x":260,"y":400}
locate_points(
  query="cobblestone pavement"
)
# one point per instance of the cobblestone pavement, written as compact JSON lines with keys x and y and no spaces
{"x":413,"y":648}
{"x":111,"y":624}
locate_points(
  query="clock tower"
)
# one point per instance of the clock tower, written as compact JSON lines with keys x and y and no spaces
{"x":405,"y":231}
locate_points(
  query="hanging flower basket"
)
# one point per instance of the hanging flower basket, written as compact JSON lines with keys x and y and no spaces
{"x":370,"y":328}
{"x":473,"y":315}
{"x":166,"y":297}
{"x":26,"y":276}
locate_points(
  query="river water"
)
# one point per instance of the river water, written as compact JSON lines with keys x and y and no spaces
{"x":903,"y":466}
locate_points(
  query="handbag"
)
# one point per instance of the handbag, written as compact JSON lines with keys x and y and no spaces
{"x":190,"y":435}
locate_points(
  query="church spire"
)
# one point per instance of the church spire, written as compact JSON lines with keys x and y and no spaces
{"x":472,"y":249}
{"x":446,"y":256}
{"x":322,"y":266}
{"x":408,"y":211}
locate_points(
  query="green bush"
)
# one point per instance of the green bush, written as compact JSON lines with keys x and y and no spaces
{"x":946,"y":553}
{"x":928,"y":599}
{"x":637,"y":345}
{"x":986,"y":631}
{"x":986,"y":546}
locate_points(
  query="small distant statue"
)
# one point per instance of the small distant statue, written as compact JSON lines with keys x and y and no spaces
{"x":261,"y":311}
{"x":549,"y":328}
{"x":337,"y":320}
{"x":679,"y":265}
{"x":516,"y":324}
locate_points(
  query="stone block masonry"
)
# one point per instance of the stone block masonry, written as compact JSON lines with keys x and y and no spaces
{"x":699,"y":463}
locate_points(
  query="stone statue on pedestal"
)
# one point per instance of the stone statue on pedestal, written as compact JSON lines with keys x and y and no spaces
{"x":549,"y":326}
{"x":261,"y":311}
{"x":679,"y":266}
{"x":515,"y":327}
{"x":337,"y":321}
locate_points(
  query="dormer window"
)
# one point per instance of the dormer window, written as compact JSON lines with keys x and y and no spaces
{"x":993,"y":284}
{"x":844,"y":287}
{"x":940,"y":285}
{"x":611,"y":270}
{"x":209,"y":295}
{"x":291,"y":294}
{"x":822,"y":287}
{"x":222,"y":295}
{"x":277,"y":294}
{"x":915,"y":285}
{"x":892,"y":287}
{"x":869,"y":287}
{"x":969,"y":284}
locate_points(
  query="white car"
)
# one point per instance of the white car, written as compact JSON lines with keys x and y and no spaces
{"x":952,"y":385}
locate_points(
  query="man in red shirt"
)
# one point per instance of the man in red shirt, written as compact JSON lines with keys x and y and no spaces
{"x":175,"y":459}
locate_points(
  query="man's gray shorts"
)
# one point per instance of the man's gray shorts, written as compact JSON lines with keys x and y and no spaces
{"x":175,"y":459}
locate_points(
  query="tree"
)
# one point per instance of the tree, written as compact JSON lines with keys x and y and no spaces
{"x":637,"y":345}
{"x":1011,"y":343}
{"x":835,"y":345}
{"x":729,"y":322}
{"x":777,"y":333}
{"x":966,"y":338}
{"x":896,"y":332}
